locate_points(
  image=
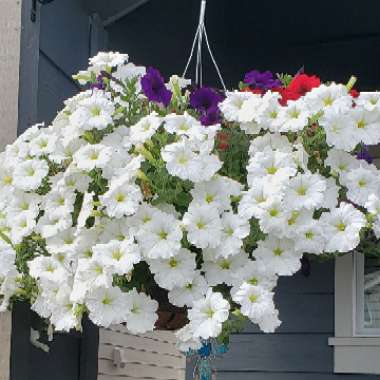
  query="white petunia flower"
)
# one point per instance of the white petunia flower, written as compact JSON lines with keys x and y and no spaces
{"x":94,"y":112}
{"x":122,"y":198}
{"x":219,"y":270}
{"x":270,"y":141}
{"x":183,"y":125}
{"x":86,"y":210}
{"x":256,"y":198}
{"x":64,"y":242}
{"x":161,"y":237}
{"x":6,"y":176}
{"x":274,"y":217}
{"x":279,"y":255}
{"x":277,"y":166}
{"x":270,"y":323}
{"x":141,"y":312}
{"x":373,"y":204}
{"x":294,"y":117}
{"x":361,"y":183}
{"x":29,"y":174}
{"x":74,"y":179}
{"x":311,"y":238}
{"x":269,"y":111}
{"x":249,"y":110}
{"x":145,"y":128}
{"x":341,"y":162}
{"x":203,"y":225}
{"x":216,"y":192}
{"x":43,"y":144}
{"x":7,"y":259}
{"x":341,"y":228}
{"x":47,"y":268}
{"x":296,"y":219}
{"x":193,"y":290}
{"x":181,"y":161}
{"x":305,"y":191}
{"x":22,"y":202}
{"x":177,"y":271}
{"x":9,"y":286}
{"x":104,"y":60}
{"x":331,"y":194}
{"x":369,"y":100}
{"x":208,"y":314}
{"x":106,"y":306}
{"x":256,"y":302}
{"x":92,"y":156}
{"x":50,"y":226}
{"x":255,"y":273}
{"x":127,"y":73}
{"x":90,"y":274}
{"x":186,"y":340}
{"x":235,"y":229}
{"x":339,"y":128}
{"x":59,"y":202}
{"x":367,"y":126}
{"x":328,"y":96}
{"x":21,"y":226}
{"x":232,"y":105}
{"x":120,"y":256}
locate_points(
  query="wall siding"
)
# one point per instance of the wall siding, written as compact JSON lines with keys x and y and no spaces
{"x":5,"y":344}
{"x":10,"y":31}
{"x":10,"y":37}
{"x":299,"y":349}
{"x":144,"y":356}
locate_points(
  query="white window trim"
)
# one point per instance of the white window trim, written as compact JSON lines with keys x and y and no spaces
{"x":353,"y":352}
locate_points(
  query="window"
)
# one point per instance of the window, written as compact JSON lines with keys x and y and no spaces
{"x":367,"y":295}
{"x":357,"y":315}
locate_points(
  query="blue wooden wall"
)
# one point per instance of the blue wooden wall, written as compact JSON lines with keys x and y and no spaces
{"x":54,"y":47}
{"x":299,"y":349}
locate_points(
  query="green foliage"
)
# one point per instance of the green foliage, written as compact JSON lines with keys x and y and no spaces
{"x":98,"y":184}
{"x":235,"y":156}
{"x":314,"y":142}
{"x":255,"y":235}
{"x":233,"y":325}
{"x":285,"y":79}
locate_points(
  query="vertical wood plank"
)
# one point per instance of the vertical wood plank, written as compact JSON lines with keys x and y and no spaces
{"x":29,"y":59}
{"x":5,"y":344}
{"x":10,"y":31}
{"x":344,"y":296}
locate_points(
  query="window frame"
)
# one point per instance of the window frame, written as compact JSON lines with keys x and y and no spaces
{"x":354,"y":352}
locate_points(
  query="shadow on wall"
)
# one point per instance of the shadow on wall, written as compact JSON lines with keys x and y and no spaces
{"x":333,"y":39}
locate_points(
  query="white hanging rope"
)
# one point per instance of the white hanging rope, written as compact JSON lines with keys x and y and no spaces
{"x":198,"y":40}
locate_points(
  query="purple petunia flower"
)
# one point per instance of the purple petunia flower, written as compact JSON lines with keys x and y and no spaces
{"x":99,"y":84}
{"x":204,"y":99}
{"x":262,"y":80}
{"x":364,"y":154}
{"x":154,"y":88}
{"x":211,"y":117}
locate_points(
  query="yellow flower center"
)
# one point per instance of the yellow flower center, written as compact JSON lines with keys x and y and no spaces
{"x":271,"y":170}
{"x":341,"y":226}
{"x":117,"y":255}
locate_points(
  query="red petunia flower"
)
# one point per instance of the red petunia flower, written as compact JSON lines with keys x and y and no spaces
{"x":302,"y":83}
{"x":354,"y":93}
{"x":258,"y":91}
{"x":286,"y":95}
